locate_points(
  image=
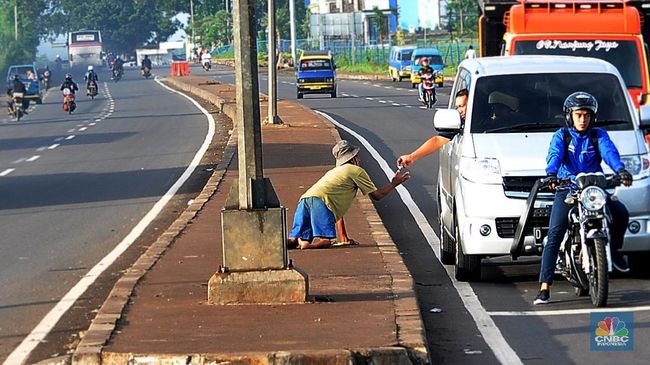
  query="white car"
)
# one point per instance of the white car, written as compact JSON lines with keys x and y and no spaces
{"x":488,"y":169}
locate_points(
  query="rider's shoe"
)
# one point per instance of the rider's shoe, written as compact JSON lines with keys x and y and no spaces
{"x":543,"y":297}
{"x":619,"y":262}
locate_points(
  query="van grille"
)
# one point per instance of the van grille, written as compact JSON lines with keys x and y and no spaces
{"x":520,"y":184}
{"x":314,"y":79}
{"x":506,"y":226}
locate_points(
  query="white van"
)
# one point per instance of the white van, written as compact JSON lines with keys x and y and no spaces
{"x":488,"y":169}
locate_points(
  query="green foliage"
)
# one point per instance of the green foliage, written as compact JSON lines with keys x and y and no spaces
{"x":462,"y":16}
{"x":31,"y":27}
{"x":215,"y":29}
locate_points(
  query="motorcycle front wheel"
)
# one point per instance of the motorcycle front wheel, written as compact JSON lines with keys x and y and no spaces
{"x":599,"y":276}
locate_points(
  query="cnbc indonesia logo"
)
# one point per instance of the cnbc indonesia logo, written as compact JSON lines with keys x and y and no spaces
{"x":612,"y":334}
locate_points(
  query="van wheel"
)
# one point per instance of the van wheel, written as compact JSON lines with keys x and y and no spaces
{"x":468,"y":267}
{"x":299,"y":95}
{"x":413,"y":85}
{"x":441,"y":84}
{"x":447,"y":252}
{"x":39,"y":101}
{"x":333,"y":94}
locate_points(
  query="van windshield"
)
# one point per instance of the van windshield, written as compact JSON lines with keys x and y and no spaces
{"x":315,"y":65}
{"x":433,"y":60}
{"x":406,"y":56}
{"x":533,"y":102}
{"x":622,"y":54}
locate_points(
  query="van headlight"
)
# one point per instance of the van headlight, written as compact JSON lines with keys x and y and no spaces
{"x":300,"y":81}
{"x":481,"y":170}
{"x":593,"y":198}
{"x":638,"y":166}
{"x":329,"y":79}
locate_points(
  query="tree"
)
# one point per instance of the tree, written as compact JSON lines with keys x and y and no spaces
{"x":216,"y":29}
{"x":463,"y":16}
{"x":31,"y":27}
{"x":381,"y":23}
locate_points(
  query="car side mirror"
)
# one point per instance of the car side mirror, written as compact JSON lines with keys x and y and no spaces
{"x":447,"y":120}
{"x":644,"y":118}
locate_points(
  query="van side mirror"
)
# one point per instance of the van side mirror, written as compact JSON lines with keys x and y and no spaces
{"x":644,"y":118}
{"x":447,"y":120}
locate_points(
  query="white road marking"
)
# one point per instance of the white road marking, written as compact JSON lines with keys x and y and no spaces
{"x":375,"y":85}
{"x":7,"y":172}
{"x":36,"y":336}
{"x":567,"y":312}
{"x":344,"y":94}
{"x":382,"y":101}
{"x":58,"y":139}
{"x":82,"y":129}
{"x":370,"y":99}
{"x":69,"y":137}
{"x":33,"y":158}
{"x":486,"y":326}
{"x":41,"y":149}
{"x":423,"y":107}
{"x":354,"y":96}
{"x":92,"y":124}
{"x":19,"y":160}
{"x":53,"y":146}
{"x":409,"y":106}
{"x":98,"y":120}
{"x":71,"y":130}
{"x":396,"y":104}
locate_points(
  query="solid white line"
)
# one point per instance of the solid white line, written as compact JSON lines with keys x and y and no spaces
{"x":486,"y":326}
{"x":22,"y":352}
{"x":7,"y":172}
{"x":53,"y":146}
{"x":566,"y":312}
{"x":33,"y":158}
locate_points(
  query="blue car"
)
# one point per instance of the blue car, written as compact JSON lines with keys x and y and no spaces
{"x":29,"y":76}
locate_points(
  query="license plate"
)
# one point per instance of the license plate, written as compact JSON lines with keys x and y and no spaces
{"x":539,"y":233}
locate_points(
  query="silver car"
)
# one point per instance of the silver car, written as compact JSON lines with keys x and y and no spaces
{"x":488,"y":169}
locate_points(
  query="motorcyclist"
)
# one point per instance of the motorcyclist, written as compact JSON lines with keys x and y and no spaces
{"x":206,"y":59}
{"x":90,"y":77}
{"x":425,"y":69}
{"x":146,"y":63}
{"x":16,"y":86}
{"x":587,"y":148}
{"x":45,"y":78}
{"x":118,"y":65}
{"x":58,"y":61}
{"x":68,"y":83}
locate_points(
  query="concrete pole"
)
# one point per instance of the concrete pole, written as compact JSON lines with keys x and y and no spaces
{"x":16,"y":19}
{"x":273,"y":117}
{"x":249,"y":148}
{"x":292,"y":28}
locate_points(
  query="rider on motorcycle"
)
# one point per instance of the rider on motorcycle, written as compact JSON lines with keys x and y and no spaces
{"x":90,"y":77}
{"x":16,"y":86}
{"x":118,"y":65}
{"x":425,"y":69}
{"x":68,"y":83}
{"x":206,"y":59}
{"x":146,"y":63}
{"x":587,"y":147}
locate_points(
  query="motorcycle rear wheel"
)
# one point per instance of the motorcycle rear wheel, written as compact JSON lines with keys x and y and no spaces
{"x":599,"y":277}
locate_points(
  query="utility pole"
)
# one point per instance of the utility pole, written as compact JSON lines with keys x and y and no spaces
{"x":192,"y":20}
{"x":255,"y":265}
{"x":292,"y":28}
{"x":16,"y":19}
{"x":273,"y":117}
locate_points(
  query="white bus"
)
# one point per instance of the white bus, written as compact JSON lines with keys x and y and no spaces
{"x":85,"y":48}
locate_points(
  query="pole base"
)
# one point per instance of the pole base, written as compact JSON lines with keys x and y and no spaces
{"x":287,"y":286}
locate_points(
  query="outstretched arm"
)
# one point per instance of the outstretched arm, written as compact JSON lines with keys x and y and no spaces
{"x":382,"y":192}
{"x":430,"y":146}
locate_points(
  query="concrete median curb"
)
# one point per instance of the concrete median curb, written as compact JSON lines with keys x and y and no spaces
{"x":409,"y":349}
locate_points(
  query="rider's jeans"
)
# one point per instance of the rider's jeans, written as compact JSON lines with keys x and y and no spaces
{"x":558,"y":225}
{"x":421,"y":90}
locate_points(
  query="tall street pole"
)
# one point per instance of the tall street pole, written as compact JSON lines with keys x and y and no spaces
{"x":16,"y":19}
{"x":273,"y":117}
{"x":192,"y":20}
{"x":292,"y":28}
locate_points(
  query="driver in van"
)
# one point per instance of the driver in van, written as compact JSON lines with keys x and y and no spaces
{"x":587,"y":148}
{"x":436,"y":142}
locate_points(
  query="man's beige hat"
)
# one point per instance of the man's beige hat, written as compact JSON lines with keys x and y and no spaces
{"x":344,"y":151}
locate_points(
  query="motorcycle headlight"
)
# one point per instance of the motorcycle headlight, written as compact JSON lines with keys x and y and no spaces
{"x":638,"y":166}
{"x":481,"y":170}
{"x":593,"y":198}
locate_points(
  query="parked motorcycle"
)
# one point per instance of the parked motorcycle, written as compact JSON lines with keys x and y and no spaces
{"x":92,"y":90}
{"x":584,"y":254}
{"x":429,"y":91}
{"x":146,"y":72}
{"x":69,"y":104}
{"x":17,"y":105}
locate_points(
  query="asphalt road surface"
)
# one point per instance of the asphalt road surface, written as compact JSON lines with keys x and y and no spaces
{"x":73,"y":186}
{"x":388,"y":116}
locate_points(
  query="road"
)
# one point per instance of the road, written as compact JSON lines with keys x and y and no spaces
{"x":388,"y":116}
{"x":73,"y":186}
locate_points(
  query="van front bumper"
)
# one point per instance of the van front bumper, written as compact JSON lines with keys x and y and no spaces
{"x":637,"y":201}
{"x":316,"y":88}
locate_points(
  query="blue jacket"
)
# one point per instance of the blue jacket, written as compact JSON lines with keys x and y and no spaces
{"x":582,"y":156}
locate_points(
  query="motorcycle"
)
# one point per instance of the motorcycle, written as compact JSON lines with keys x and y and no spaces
{"x":69,"y":104}
{"x":116,"y":75}
{"x":584,"y":257}
{"x":92,"y":89}
{"x":17,"y":105}
{"x":46,"y":80}
{"x":429,"y":91}
{"x":146,"y":72}
{"x":207,"y":65}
